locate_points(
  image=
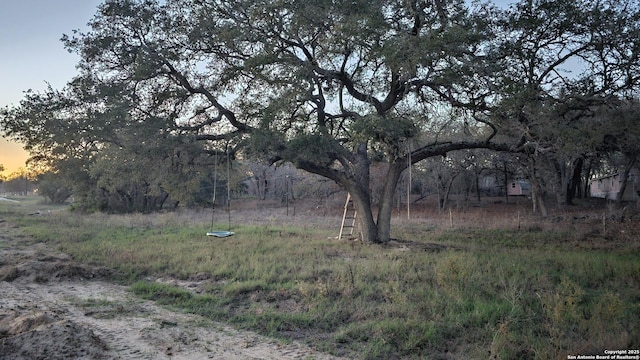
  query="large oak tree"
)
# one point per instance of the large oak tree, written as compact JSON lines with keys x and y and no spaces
{"x":325,"y":85}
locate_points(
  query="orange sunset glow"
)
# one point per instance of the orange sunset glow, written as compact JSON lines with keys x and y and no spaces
{"x":12,"y":156}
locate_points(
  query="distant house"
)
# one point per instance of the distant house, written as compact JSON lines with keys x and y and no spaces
{"x":519,"y":188}
{"x":608,"y":187}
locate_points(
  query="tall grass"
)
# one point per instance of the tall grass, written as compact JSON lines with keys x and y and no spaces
{"x":494,"y":293}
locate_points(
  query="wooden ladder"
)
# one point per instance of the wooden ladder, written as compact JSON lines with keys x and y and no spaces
{"x":348,"y":219}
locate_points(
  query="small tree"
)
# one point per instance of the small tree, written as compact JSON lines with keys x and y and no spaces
{"x":53,"y":187}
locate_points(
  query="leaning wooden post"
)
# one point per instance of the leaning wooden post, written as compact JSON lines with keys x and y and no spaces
{"x":409,"y":186}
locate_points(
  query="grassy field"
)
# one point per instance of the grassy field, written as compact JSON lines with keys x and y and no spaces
{"x":475,"y":284}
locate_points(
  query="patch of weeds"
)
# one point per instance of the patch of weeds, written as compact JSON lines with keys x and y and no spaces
{"x":164,"y":294}
{"x":243,"y":288}
{"x":391,"y":338}
{"x":108,"y":309}
{"x":579,"y":320}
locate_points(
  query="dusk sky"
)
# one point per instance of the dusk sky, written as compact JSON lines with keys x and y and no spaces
{"x":31,"y":54}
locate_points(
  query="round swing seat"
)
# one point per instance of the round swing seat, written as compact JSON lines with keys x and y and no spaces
{"x":220,"y":233}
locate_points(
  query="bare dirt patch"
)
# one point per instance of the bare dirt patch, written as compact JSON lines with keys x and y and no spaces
{"x":52,"y":307}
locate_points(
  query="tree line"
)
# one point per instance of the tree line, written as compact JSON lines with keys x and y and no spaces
{"x":168,"y":89}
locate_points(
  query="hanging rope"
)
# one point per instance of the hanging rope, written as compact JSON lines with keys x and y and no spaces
{"x":215,"y":187}
{"x":229,"y":188}
{"x":213,"y":204}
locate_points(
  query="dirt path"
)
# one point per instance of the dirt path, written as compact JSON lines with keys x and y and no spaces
{"x":54,"y":308}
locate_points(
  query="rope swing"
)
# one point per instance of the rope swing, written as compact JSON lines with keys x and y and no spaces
{"x":221,"y":233}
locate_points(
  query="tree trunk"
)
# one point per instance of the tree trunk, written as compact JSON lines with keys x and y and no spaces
{"x":385,"y":207}
{"x":263,"y":185}
{"x":163,"y":199}
{"x":537,"y":199}
{"x":586,"y":191}
{"x":506,"y":182}
{"x":356,"y":181}
{"x":576,"y":180}
{"x":623,"y":179}
{"x":378,"y":231}
{"x":477,"y":179}
{"x":562,"y":180}
{"x":448,"y":191}
{"x":362,"y":202}
{"x":355,"y":178}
